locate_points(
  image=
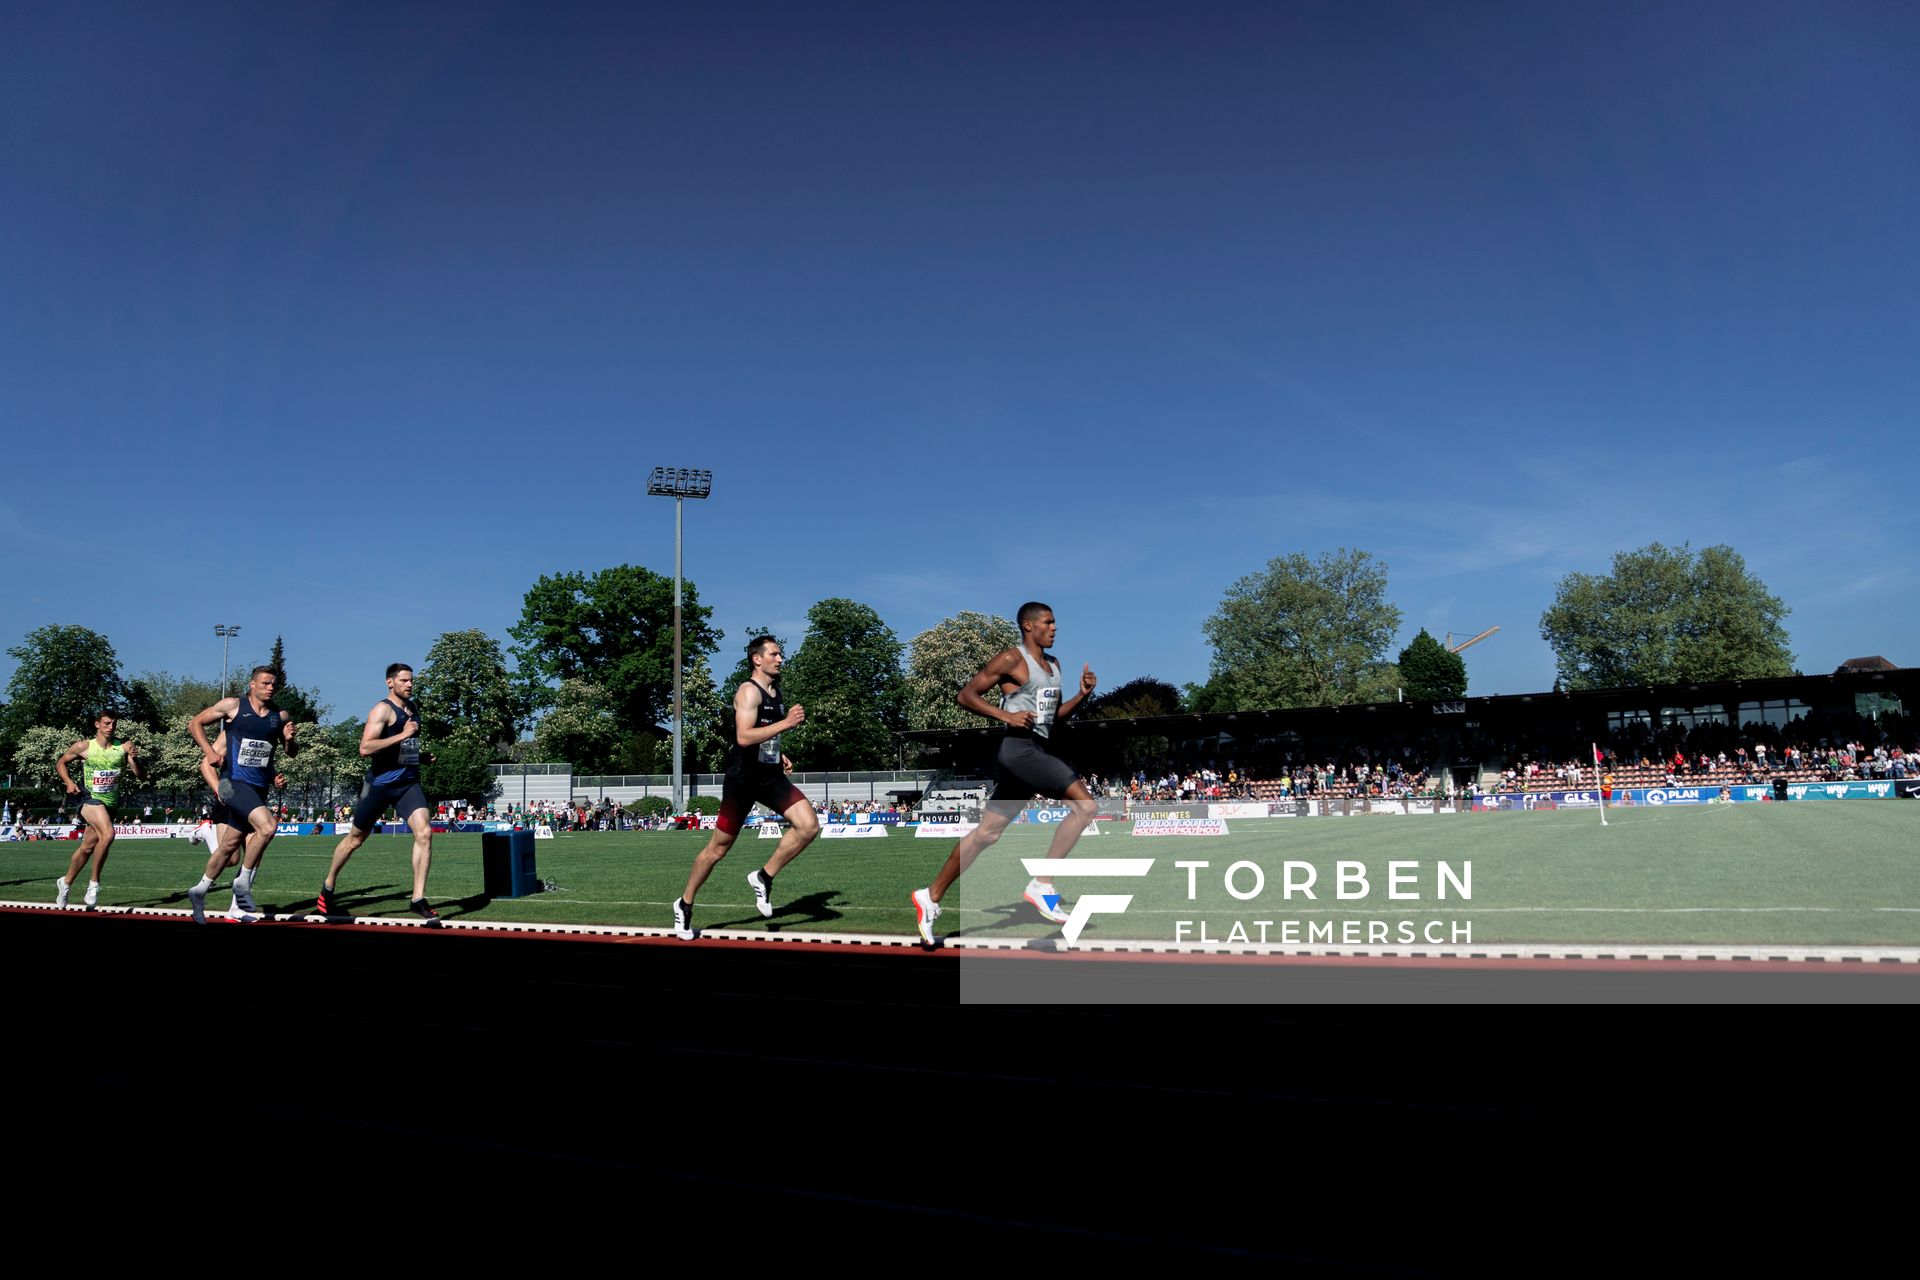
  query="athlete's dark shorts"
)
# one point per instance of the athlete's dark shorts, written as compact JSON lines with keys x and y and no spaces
{"x":405,"y":797}
{"x":241,"y":799}
{"x":87,"y":798}
{"x":1026,"y":769}
{"x":737,"y":796}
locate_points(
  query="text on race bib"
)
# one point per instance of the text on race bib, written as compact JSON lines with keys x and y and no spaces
{"x":102,"y":780}
{"x":1046,"y":701}
{"x":254,"y":753}
{"x":770,"y":750}
{"x":410,"y":751}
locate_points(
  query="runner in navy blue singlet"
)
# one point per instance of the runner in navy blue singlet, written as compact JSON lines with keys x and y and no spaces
{"x":391,"y":744}
{"x":254,"y":733}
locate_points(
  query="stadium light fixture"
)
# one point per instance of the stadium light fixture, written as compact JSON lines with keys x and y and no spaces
{"x":226,"y":634}
{"x":678,"y":483}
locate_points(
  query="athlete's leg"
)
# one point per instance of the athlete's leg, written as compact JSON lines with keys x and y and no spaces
{"x":354,"y":838}
{"x":422,"y":829}
{"x":706,"y":860}
{"x":99,"y":833}
{"x":1069,"y":828}
{"x":992,"y":822}
{"x":803,"y":828}
{"x":264,"y":827}
{"x":83,"y":853}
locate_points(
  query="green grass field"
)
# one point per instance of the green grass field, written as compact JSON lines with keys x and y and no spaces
{"x":1804,"y":874}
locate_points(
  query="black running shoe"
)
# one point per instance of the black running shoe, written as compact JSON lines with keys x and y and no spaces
{"x":326,"y":902}
{"x":420,"y":908}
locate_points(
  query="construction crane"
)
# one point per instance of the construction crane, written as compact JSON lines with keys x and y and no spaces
{"x":1465,"y":644}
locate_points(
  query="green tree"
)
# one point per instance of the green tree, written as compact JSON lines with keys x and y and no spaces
{"x":1304,"y":633}
{"x":313,"y":776}
{"x":33,"y":756}
{"x":465,"y":683}
{"x":612,"y":629}
{"x":66,"y":675}
{"x":459,"y":768}
{"x":1429,"y":672}
{"x":579,"y":730}
{"x":943,"y":658}
{"x":299,"y":705}
{"x":1145,"y":696}
{"x":1666,"y":615}
{"x":847,"y":676}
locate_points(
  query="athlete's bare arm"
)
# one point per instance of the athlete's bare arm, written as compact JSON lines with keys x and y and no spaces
{"x":290,"y":736}
{"x":1087,"y":682}
{"x":1000,"y":670}
{"x":746,"y":709}
{"x":133,"y":763}
{"x":374,"y":737}
{"x":225,"y":709}
{"x":72,"y":753}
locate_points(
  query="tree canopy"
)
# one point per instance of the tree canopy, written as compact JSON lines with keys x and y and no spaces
{"x":66,"y":676}
{"x":465,"y":684}
{"x":1429,"y":672}
{"x":847,"y":676}
{"x":1303,"y":633}
{"x":612,"y":629}
{"x":1666,"y":615}
{"x":946,"y":656}
{"x":1137,"y":698}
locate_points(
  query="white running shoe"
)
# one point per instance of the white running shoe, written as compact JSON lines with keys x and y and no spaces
{"x":93,"y":893}
{"x":197,"y":899}
{"x":682,"y":919}
{"x":925,"y":911}
{"x":60,"y":894}
{"x":1038,"y":894}
{"x":240,"y":915}
{"x":757,"y":880}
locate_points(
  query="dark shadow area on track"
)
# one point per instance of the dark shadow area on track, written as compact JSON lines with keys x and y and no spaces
{"x":809,"y":912}
{"x":746,"y":1100}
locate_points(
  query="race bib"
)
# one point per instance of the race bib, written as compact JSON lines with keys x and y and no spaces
{"x":770,"y":750}
{"x":1046,"y":701}
{"x":410,"y":751}
{"x":254,"y":753}
{"x":101,"y":781}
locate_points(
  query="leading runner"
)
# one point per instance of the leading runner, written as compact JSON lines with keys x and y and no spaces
{"x":103,"y":763}
{"x":1028,"y":678}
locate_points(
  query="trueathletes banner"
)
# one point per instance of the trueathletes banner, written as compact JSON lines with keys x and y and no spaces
{"x":1179,"y":827}
{"x":1170,"y":815}
{"x":844,"y":832}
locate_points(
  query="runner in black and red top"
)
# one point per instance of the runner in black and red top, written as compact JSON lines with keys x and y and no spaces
{"x":756,"y":771}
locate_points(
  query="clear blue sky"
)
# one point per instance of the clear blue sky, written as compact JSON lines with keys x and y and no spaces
{"x":345,"y":322}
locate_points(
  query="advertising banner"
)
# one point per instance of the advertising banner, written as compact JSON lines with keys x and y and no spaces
{"x":1841,"y":790}
{"x":1171,"y":815}
{"x":844,"y":832}
{"x":1180,"y":827}
{"x":942,"y":830}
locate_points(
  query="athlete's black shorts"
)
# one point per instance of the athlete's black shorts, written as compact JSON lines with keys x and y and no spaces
{"x":405,"y":797}
{"x":87,"y":798}
{"x":1025,"y":769}
{"x":241,"y":799}
{"x":738,"y":794}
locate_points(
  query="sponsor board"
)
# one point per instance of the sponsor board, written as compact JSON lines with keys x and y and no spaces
{"x":945,"y":819}
{"x":1245,"y":809}
{"x":942,"y":830}
{"x":1841,"y":790}
{"x":543,"y":833}
{"x":844,"y":832}
{"x":1179,"y":827}
{"x":1907,"y":788}
{"x":1167,"y":815}
{"x":1054,"y":814}
{"x":771,"y":830}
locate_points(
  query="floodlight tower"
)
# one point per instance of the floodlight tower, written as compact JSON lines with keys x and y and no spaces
{"x":678,"y":483}
{"x":226,"y":634}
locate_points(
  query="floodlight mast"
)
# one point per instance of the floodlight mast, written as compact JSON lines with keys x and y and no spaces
{"x":226,"y":634}
{"x":678,"y":483}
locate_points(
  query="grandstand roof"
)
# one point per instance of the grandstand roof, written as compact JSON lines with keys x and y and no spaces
{"x":1875,"y":663}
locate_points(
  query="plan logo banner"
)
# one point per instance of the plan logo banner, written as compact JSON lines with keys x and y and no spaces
{"x":1092,"y":904}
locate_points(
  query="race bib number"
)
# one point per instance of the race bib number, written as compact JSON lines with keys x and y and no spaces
{"x":1046,"y":701}
{"x":101,"y":781}
{"x":410,"y":751}
{"x":254,"y":753}
{"x":770,"y":750}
